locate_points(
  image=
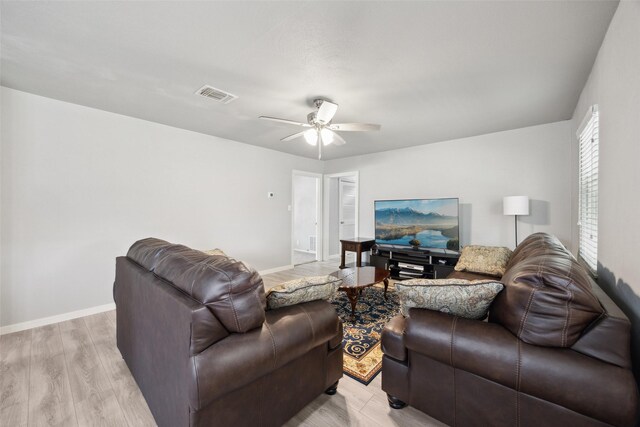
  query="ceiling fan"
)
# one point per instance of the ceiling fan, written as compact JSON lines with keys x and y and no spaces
{"x":321,"y":131}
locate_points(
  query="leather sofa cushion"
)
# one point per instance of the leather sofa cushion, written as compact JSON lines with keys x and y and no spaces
{"x":233,"y":291}
{"x":547,"y":299}
{"x":482,"y":348}
{"x":537,"y":244}
{"x":240,"y":359}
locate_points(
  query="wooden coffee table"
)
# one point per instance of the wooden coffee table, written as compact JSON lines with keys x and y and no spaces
{"x":354,"y":280}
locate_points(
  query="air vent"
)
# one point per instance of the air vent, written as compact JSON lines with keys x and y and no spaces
{"x":216,"y":94}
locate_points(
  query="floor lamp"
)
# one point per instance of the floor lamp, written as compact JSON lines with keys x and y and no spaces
{"x":515,"y":205}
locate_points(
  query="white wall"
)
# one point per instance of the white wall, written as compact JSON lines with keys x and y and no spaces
{"x":80,"y":185}
{"x":614,"y":84}
{"x":305,"y":211}
{"x":479,"y":171}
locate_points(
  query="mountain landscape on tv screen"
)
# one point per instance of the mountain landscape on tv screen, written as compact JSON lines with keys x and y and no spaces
{"x":400,"y":225}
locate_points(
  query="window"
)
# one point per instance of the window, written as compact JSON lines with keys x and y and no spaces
{"x":588,"y":189}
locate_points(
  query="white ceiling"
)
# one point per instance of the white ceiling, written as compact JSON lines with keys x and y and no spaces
{"x":426,"y":71}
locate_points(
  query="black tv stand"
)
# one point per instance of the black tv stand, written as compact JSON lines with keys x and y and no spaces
{"x":406,"y":263}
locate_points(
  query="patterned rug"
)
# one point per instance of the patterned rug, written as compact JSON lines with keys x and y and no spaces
{"x":361,"y":342}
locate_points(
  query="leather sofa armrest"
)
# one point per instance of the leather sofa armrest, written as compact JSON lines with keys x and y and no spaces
{"x":393,"y":339}
{"x":288,"y":333}
{"x":336,"y":341}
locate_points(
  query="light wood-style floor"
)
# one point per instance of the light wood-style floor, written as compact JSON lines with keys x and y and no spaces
{"x":72,"y":374}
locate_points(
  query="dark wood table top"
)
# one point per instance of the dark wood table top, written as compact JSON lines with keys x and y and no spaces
{"x":358,"y":240}
{"x":360,"y":277}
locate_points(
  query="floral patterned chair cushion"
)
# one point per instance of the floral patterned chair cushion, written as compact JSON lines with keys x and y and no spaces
{"x":459,"y":297}
{"x":218,"y":252}
{"x":301,"y":290}
{"x":491,"y":260}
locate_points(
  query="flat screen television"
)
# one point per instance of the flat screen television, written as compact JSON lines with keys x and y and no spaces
{"x":433,"y":222}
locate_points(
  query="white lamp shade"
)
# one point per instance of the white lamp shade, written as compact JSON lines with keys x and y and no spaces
{"x":515,"y":205}
{"x":311,"y":136}
{"x":327,"y":136}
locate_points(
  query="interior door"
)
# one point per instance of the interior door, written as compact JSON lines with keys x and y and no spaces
{"x":306,"y":209}
{"x":347,"y":209}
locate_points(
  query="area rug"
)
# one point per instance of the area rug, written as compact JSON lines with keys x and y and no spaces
{"x":361,"y":342}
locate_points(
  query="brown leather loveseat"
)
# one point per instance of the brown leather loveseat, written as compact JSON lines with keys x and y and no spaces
{"x":555,"y":351}
{"x":195,"y":334}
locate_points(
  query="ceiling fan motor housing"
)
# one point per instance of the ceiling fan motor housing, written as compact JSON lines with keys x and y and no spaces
{"x":312,"y":118}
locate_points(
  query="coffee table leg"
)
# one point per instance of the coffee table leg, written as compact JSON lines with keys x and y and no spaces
{"x":386,"y":285}
{"x":352,"y":294}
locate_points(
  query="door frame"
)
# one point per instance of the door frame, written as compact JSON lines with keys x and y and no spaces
{"x":319,"y":212}
{"x":325,"y":225}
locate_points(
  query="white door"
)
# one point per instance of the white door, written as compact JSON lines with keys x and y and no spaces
{"x":347,"y":209}
{"x":305,"y":221}
{"x":340,"y":212}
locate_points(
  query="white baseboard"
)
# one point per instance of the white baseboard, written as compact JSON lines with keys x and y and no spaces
{"x":304,"y":251}
{"x":276,"y":269}
{"x":16,"y":327}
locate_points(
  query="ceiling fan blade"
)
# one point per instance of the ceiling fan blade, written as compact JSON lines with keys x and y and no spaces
{"x":294,"y":136}
{"x":337,"y":139}
{"x":289,"y":122}
{"x":326,"y":111}
{"x":354,"y":127}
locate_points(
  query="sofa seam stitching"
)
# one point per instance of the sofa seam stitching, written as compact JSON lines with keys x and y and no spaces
{"x":567,"y":320}
{"x":526,"y":313}
{"x":451,"y":361}
{"x":195,"y":367}
{"x":518,"y":368}
{"x":273,"y":345}
{"x":233,"y":307}
{"x":569,"y":301}
{"x":313,"y":331}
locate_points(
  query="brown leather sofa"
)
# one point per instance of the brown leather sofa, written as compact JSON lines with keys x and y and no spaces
{"x":195,"y":334}
{"x":554,"y":352}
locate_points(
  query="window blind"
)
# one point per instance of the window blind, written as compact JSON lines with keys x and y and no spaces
{"x":588,"y":139}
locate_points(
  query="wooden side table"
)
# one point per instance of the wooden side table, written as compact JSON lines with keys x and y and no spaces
{"x":358,"y":245}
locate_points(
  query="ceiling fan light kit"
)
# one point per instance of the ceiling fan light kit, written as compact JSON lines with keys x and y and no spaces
{"x":322,"y":131}
{"x":326,"y":135}
{"x":311,"y":136}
